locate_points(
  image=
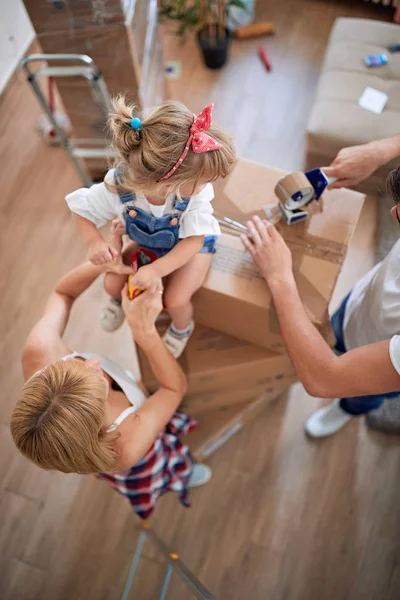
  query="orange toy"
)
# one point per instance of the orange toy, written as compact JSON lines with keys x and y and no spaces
{"x":140,"y":258}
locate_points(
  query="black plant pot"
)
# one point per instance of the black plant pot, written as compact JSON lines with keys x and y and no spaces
{"x":215,"y":51}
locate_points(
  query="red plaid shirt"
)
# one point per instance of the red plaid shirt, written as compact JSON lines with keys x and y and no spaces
{"x":166,"y":467}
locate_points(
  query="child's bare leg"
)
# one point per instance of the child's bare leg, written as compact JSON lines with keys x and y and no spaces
{"x":113,"y":284}
{"x":180,"y":288}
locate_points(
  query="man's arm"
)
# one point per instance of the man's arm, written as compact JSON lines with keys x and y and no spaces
{"x":354,"y":164}
{"x":363,"y":371}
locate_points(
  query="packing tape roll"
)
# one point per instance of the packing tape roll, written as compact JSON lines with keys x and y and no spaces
{"x":294,"y":190}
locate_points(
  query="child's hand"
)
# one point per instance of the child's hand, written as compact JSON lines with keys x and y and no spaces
{"x":117,"y":231}
{"x":147,"y":278}
{"x":101,"y":252}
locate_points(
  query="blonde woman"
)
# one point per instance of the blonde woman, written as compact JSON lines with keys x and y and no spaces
{"x":81,"y":413}
{"x":161,"y":191}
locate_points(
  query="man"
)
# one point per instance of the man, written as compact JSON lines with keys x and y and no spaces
{"x":367,"y":324}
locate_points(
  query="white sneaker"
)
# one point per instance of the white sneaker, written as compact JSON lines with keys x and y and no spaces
{"x":112,"y":316}
{"x":327,"y":420}
{"x":177,"y":343}
{"x":201,"y":474}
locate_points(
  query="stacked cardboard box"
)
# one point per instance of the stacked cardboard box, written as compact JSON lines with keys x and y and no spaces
{"x":113,"y":34}
{"x":235,"y":299}
{"x":229,"y":380}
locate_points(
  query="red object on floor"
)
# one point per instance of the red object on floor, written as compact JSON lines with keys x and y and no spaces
{"x":262,"y":53}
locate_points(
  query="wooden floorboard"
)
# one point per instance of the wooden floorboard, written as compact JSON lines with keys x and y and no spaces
{"x":283,"y":517}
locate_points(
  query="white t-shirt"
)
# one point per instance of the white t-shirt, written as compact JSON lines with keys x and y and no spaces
{"x":99,"y":205}
{"x":373,"y":309}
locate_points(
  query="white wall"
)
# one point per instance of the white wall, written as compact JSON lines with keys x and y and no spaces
{"x":16,"y":33}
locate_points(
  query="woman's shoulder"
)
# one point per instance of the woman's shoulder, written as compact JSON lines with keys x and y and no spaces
{"x":40,"y":350}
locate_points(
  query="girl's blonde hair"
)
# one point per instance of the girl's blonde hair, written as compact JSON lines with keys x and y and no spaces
{"x":147,"y":154}
{"x":57,"y":422}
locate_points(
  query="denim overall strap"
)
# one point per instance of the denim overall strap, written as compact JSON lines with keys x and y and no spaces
{"x":179,"y":206}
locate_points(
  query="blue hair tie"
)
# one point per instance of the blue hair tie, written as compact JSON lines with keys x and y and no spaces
{"x":135,"y":123}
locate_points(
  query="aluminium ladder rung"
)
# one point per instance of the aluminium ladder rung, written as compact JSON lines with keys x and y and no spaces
{"x":68,"y":71}
{"x":94,"y":152}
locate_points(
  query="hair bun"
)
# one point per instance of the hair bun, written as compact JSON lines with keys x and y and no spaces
{"x":125,"y":136}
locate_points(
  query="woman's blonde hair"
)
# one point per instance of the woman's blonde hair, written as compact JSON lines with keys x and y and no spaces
{"x":145,"y":155}
{"x":57,"y":422}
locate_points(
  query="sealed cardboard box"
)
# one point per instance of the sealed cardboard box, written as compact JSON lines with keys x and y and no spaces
{"x":122,"y":39}
{"x":221,"y":369}
{"x":234,"y":298}
{"x":109,"y":47}
{"x":217,"y":426}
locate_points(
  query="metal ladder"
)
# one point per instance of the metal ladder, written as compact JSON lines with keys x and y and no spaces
{"x":86,"y":69}
{"x":174,"y":565}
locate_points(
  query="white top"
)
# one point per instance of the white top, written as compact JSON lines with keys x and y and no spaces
{"x":373,"y":309}
{"x":125,"y":379}
{"x":99,"y":205}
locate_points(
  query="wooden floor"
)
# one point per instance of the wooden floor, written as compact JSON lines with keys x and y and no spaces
{"x":283,"y":518}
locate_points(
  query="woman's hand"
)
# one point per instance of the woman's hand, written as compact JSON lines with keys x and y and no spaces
{"x":268,"y":250}
{"x":142,"y":312}
{"x":354,"y":164}
{"x":147,"y":278}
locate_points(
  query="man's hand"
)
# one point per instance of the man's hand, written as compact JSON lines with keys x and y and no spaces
{"x":268,"y":250}
{"x":354,"y":164}
{"x":101,"y":252}
{"x":147,"y":278}
{"x":142,"y":312}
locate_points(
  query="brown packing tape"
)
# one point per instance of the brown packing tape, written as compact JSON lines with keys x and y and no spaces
{"x":292,"y":183}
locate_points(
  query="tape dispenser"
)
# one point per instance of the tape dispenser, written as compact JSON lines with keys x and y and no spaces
{"x":296,"y":190}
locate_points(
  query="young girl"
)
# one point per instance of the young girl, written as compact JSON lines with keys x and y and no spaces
{"x":161,"y":190}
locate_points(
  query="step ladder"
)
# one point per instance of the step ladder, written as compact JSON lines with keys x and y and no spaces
{"x":174,"y":564}
{"x":85,"y":68}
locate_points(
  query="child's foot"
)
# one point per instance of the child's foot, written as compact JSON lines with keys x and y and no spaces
{"x":201,"y":474}
{"x":112,"y":316}
{"x":176,"y":340}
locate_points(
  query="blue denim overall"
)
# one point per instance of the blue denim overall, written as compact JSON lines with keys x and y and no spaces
{"x":158,"y":234}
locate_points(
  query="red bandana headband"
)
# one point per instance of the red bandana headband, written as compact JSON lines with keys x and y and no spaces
{"x":198,"y":141}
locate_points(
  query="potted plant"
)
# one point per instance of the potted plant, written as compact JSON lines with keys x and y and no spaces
{"x":208,"y":18}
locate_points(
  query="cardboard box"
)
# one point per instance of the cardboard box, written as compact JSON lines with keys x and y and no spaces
{"x":204,"y":402}
{"x":113,"y":34}
{"x":110,"y":48}
{"x":234,"y":298}
{"x":217,"y":426}
{"x":221,"y":370}
{"x":59,"y":15}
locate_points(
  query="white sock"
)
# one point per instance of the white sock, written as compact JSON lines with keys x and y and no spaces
{"x":181,"y":332}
